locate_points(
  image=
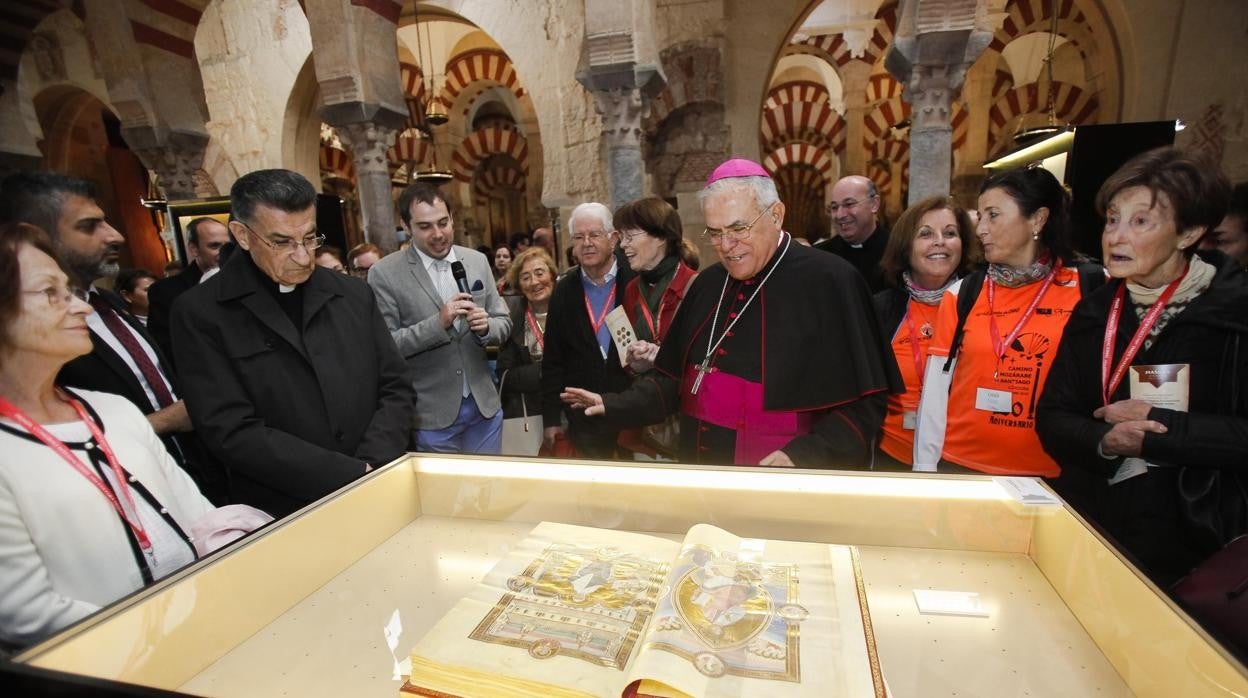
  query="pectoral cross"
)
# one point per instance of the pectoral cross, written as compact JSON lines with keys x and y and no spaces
{"x":703,"y":369}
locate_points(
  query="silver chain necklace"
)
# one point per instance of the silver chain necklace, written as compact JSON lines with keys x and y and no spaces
{"x":705,"y":366}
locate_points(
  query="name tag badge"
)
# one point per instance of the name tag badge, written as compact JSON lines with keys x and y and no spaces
{"x":908,"y":420}
{"x":990,"y":400}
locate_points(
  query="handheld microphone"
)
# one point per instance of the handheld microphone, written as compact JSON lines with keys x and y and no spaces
{"x":461,"y":276}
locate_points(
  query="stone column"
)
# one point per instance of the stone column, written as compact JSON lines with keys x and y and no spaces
{"x":854,"y":78}
{"x":175,"y":161}
{"x":621,"y":110}
{"x":368,"y":141}
{"x":931,"y":134}
{"x":935,"y":43}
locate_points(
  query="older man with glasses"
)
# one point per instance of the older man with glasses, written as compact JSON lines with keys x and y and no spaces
{"x":858,"y":235}
{"x":290,"y":373}
{"x":774,"y":358}
{"x":579,"y":350}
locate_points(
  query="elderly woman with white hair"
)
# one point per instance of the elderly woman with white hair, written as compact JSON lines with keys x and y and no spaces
{"x":579,"y":350}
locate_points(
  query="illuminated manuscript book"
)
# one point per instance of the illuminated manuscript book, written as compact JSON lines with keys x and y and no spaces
{"x":575,"y":611}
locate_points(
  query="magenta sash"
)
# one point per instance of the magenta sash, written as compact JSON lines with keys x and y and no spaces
{"x":734,"y":403}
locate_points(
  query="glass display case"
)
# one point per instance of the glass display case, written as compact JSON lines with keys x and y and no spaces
{"x":299,"y":608}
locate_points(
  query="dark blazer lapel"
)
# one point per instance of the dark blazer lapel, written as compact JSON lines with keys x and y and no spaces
{"x":239,"y":282}
{"x":118,"y":366}
{"x":315,"y":295}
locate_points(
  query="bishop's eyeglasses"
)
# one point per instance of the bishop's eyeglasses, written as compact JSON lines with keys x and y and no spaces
{"x":734,"y":233}
{"x":289,"y":245}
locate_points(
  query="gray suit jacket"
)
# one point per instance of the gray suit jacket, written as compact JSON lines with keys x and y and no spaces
{"x":438,"y":357}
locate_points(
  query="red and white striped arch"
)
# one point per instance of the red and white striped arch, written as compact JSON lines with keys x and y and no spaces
{"x":1002,"y":82}
{"x":881,"y":87}
{"x":485,"y":142}
{"x":337,"y":164}
{"x":801,"y":188}
{"x":880,"y":173}
{"x":1070,"y":104}
{"x":1027,"y":16}
{"x":796,"y":91}
{"x":499,"y":179}
{"x":960,"y":122}
{"x":812,"y":122}
{"x":412,"y":78}
{"x":168,"y":25}
{"x":834,"y":49}
{"x":478,"y":65}
{"x":886,"y":114}
{"x":409,"y":148}
{"x":799,"y":153}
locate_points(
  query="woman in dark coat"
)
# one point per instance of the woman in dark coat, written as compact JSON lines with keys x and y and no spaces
{"x":1149,"y":389}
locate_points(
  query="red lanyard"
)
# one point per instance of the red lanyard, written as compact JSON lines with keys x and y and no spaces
{"x":654,"y":327}
{"x":602,"y":317}
{"x":999,"y":346}
{"x":1110,"y":383}
{"x":537,"y":331}
{"x":11,"y":411}
{"x":914,"y":348}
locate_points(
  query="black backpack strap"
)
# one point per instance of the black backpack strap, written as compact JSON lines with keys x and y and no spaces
{"x":968,"y":292}
{"x":1091,"y":277}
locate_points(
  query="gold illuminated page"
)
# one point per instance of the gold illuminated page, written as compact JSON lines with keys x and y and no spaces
{"x":576,"y":611}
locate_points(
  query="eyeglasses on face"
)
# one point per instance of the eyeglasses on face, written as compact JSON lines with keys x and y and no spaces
{"x":631,"y":237}
{"x":61,"y":296}
{"x":289,"y":246}
{"x":735,"y":233}
{"x":593,"y":236}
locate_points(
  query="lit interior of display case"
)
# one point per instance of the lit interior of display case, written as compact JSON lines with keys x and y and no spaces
{"x":299,"y":607}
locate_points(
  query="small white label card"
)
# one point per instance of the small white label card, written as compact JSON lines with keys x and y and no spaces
{"x":621,"y":332}
{"x":1161,"y":385}
{"x":990,"y":400}
{"x":949,"y":603}
{"x":1027,"y":490}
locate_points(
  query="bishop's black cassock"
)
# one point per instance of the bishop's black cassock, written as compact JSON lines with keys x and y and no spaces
{"x":805,"y":368}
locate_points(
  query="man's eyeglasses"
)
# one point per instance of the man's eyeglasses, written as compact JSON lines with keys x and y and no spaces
{"x":735,"y":233}
{"x":847,"y":204}
{"x":288,"y":246}
{"x":594,"y":235}
{"x":62,"y":296}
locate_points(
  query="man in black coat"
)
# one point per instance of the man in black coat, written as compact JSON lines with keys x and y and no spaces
{"x":858,"y":235}
{"x":204,"y":239}
{"x":579,"y":350}
{"x":288,"y":368}
{"x":124,"y":359}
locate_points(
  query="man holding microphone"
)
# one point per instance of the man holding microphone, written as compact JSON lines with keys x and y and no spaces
{"x":440,"y":303}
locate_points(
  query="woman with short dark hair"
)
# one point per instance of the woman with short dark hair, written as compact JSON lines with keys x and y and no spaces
{"x":92,"y":507}
{"x":1149,"y":388}
{"x":929,"y":248}
{"x":996,"y":331}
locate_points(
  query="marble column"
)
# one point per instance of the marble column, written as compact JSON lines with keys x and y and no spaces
{"x":935,"y":43}
{"x":368,"y":141}
{"x":175,"y":159}
{"x":930,"y":94}
{"x":854,"y":78}
{"x":622,"y":109}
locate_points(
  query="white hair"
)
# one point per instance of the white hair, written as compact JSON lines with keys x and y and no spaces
{"x":593,"y":210}
{"x":763,"y":188}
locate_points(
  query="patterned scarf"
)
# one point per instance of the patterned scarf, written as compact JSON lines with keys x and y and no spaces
{"x":1013,"y":277}
{"x":1197,"y":280}
{"x":926,"y":296}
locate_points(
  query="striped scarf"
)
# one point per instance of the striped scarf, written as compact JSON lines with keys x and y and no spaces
{"x":1197,"y":280}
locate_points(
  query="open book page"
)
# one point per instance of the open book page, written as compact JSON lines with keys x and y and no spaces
{"x":747,"y":617}
{"x":561,"y":615}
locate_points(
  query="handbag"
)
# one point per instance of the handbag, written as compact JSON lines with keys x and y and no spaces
{"x":522,"y":436}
